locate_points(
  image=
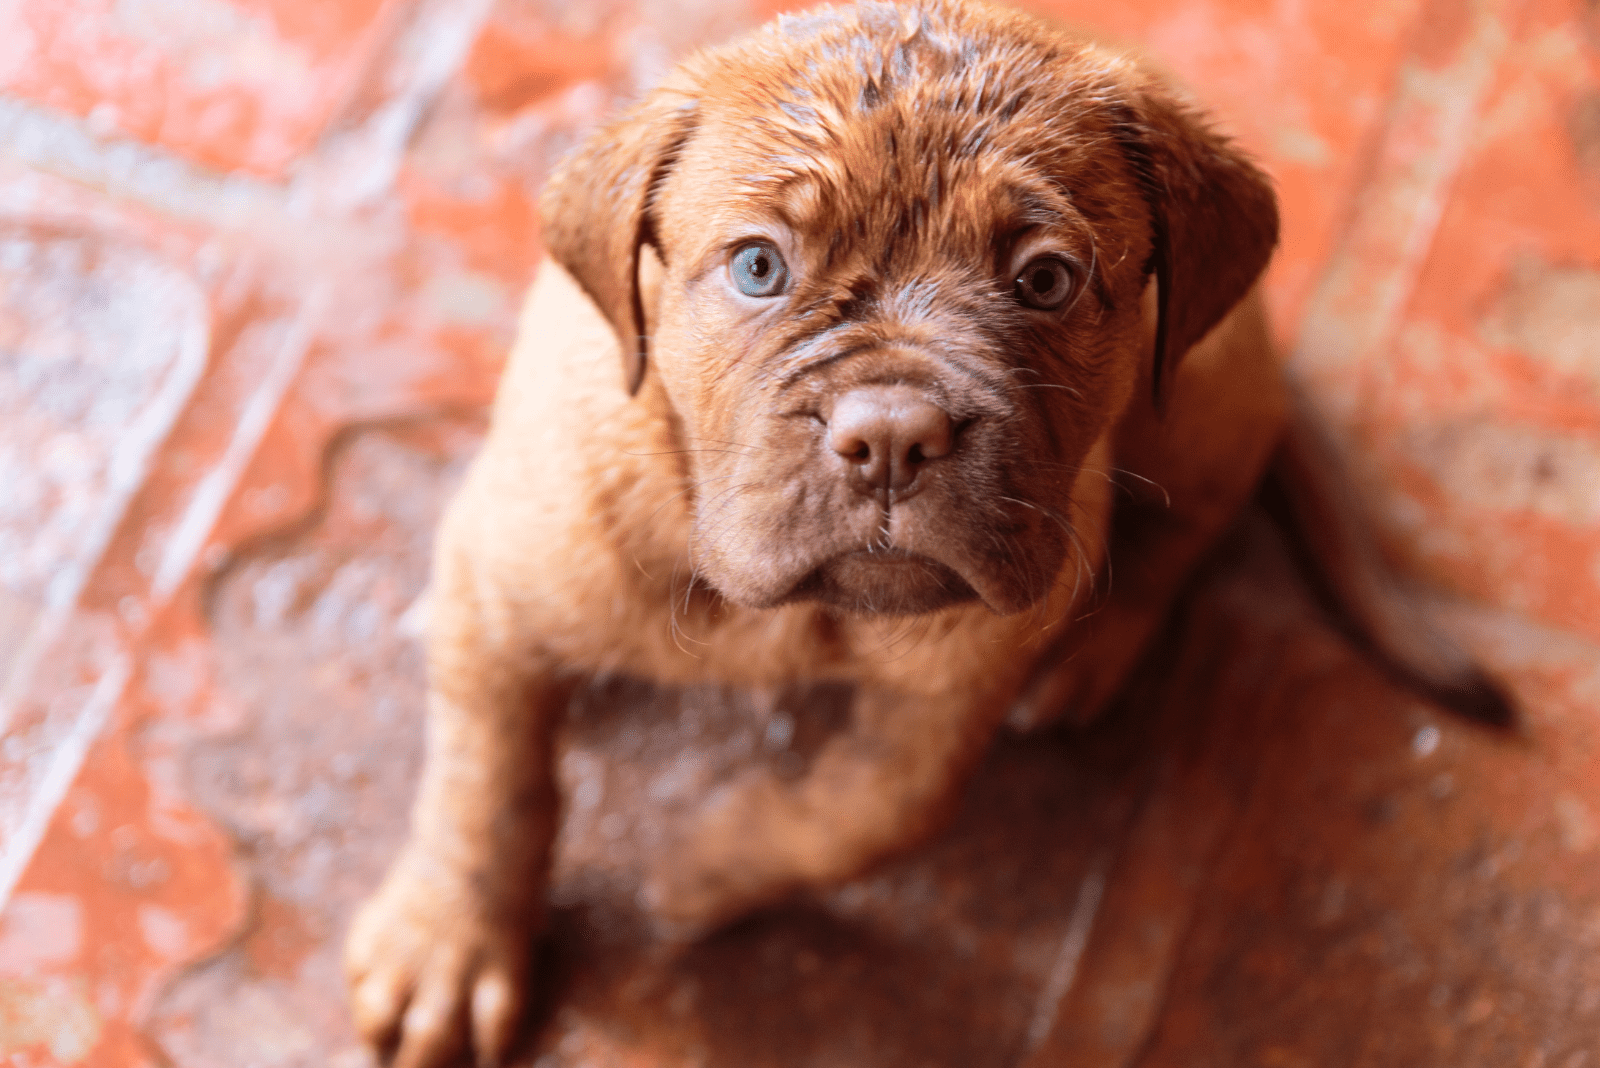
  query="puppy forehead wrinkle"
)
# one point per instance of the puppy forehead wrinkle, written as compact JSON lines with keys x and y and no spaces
{"x":960,"y":205}
{"x":838,"y":63}
{"x":926,"y":318}
{"x":817,"y":158}
{"x":973,"y":129}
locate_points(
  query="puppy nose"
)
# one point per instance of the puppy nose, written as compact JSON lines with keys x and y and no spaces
{"x":888,"y":434}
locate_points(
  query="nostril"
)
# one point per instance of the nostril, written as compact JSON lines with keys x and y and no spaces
{"x":853,"y":447}
{"x":926,"y":429}
{"x":888,"y":434}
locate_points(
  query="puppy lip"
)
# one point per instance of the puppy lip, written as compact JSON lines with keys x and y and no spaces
{"x":946,"y":582}
{"x":891,"y":579}
{"x":886,"y":581}
{"x":889,"y":557}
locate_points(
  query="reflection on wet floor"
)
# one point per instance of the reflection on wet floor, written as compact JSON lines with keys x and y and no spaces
{"x":259,"y":264}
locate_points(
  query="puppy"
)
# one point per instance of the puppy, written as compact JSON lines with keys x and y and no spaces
{"x":847,"y":331}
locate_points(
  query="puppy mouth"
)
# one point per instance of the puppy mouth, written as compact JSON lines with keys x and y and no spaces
{"x":885,"y":581}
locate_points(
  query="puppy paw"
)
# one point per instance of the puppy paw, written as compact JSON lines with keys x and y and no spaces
{"x":433,"y":971}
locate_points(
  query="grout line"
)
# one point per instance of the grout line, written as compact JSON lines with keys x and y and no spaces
{"x":361,"y":155}
{"x":1065,"y":969}
{"x":128,"y":469}
{"x":213,"y":491}
{"x":51,"y":143}
{"x":51,"y":790}
{"x":1360,"y":302}
{"x":353,"y":165}
{"x":183,"y":549}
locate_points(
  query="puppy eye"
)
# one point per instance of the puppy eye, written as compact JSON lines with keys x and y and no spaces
{"x":759,"y":271}
{"x":1045,"y":283}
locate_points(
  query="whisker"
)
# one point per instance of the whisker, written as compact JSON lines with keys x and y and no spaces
{"x":916,"y":628}
{"x":674,"y":629}
{"x":1079,"y":551}
{"x":687,"y":489}
{"x":682,"y":452}
{"x":731,"y":444}
{"x":707,"y":507}
{"x":1156,"y":485}
{"x":1104,"y":592}
{"x":1110,"y":475}
{"x":1076,"y":393}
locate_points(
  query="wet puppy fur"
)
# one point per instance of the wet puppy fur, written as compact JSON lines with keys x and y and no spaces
{"x":916,"y":178}
{"x":907,"y":164}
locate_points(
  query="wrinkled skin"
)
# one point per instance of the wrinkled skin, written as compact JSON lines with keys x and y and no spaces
{"x":930,"y":305}
{"x":713,"y":513}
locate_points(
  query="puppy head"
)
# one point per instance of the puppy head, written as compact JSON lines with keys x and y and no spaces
{"x":905,"y":252}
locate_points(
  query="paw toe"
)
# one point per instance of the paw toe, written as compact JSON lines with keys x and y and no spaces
{"x":496,"y":1009}
{"x":434,"y":1027}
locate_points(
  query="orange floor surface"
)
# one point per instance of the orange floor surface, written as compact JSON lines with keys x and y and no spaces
{"x":260,"y":262}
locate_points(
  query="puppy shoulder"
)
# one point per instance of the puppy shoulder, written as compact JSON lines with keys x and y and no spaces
{"x":577,"y":482}
{"x":1226,"y":412}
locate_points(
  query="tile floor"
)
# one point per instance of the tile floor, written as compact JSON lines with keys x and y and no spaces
{"x":259,"y":263}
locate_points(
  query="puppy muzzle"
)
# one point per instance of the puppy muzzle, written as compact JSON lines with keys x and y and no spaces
{"x":886,"y":478}
{"x":886,"y":436}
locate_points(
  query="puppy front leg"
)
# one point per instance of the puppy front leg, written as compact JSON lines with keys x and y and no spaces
{"x":438,"y":957}
{"x":882,"y":785}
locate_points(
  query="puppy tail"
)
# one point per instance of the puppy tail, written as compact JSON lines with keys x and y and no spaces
{"x":1309,"y":494}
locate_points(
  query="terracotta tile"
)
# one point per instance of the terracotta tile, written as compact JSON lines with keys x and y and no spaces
{"x":1475,"y":388}
{"x":314,"y":777}
{"x":524,"y":54}
{"x":230,"y":85}
{"x":1390,"y":887}
{"x":126,"y":884}
{"x":1403,"y":890}
{"x":239,"y":454}
{"x":1491,"y":342}
{"x":107,"y":345}
{"x":1270,"y":856}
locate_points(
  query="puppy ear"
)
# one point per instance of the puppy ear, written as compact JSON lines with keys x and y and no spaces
{"x":596,"y":211}
{"x":1213,"y":219}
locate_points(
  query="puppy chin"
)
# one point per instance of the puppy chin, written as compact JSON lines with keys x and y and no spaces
{"x":884,"y":582}
{"x":887,"y":582}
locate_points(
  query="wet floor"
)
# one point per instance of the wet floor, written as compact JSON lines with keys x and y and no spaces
{"x":259,"y":265}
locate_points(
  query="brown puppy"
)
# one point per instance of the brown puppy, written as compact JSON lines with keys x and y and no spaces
{"x":895,"y":291}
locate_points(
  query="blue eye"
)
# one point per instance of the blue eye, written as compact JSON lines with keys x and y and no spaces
{"x":759,"y":271}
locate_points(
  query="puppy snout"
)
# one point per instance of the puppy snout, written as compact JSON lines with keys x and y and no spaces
{"x":887,"y":435}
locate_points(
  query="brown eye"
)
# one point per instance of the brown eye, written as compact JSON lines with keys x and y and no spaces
{"x":1045,"y":283}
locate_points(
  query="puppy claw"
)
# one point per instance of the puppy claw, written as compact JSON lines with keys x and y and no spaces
{"x":432,"y":972}
{"x":433,"y":1030}
{"x":376,"y":1003}
{"x":496,"y":1011}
